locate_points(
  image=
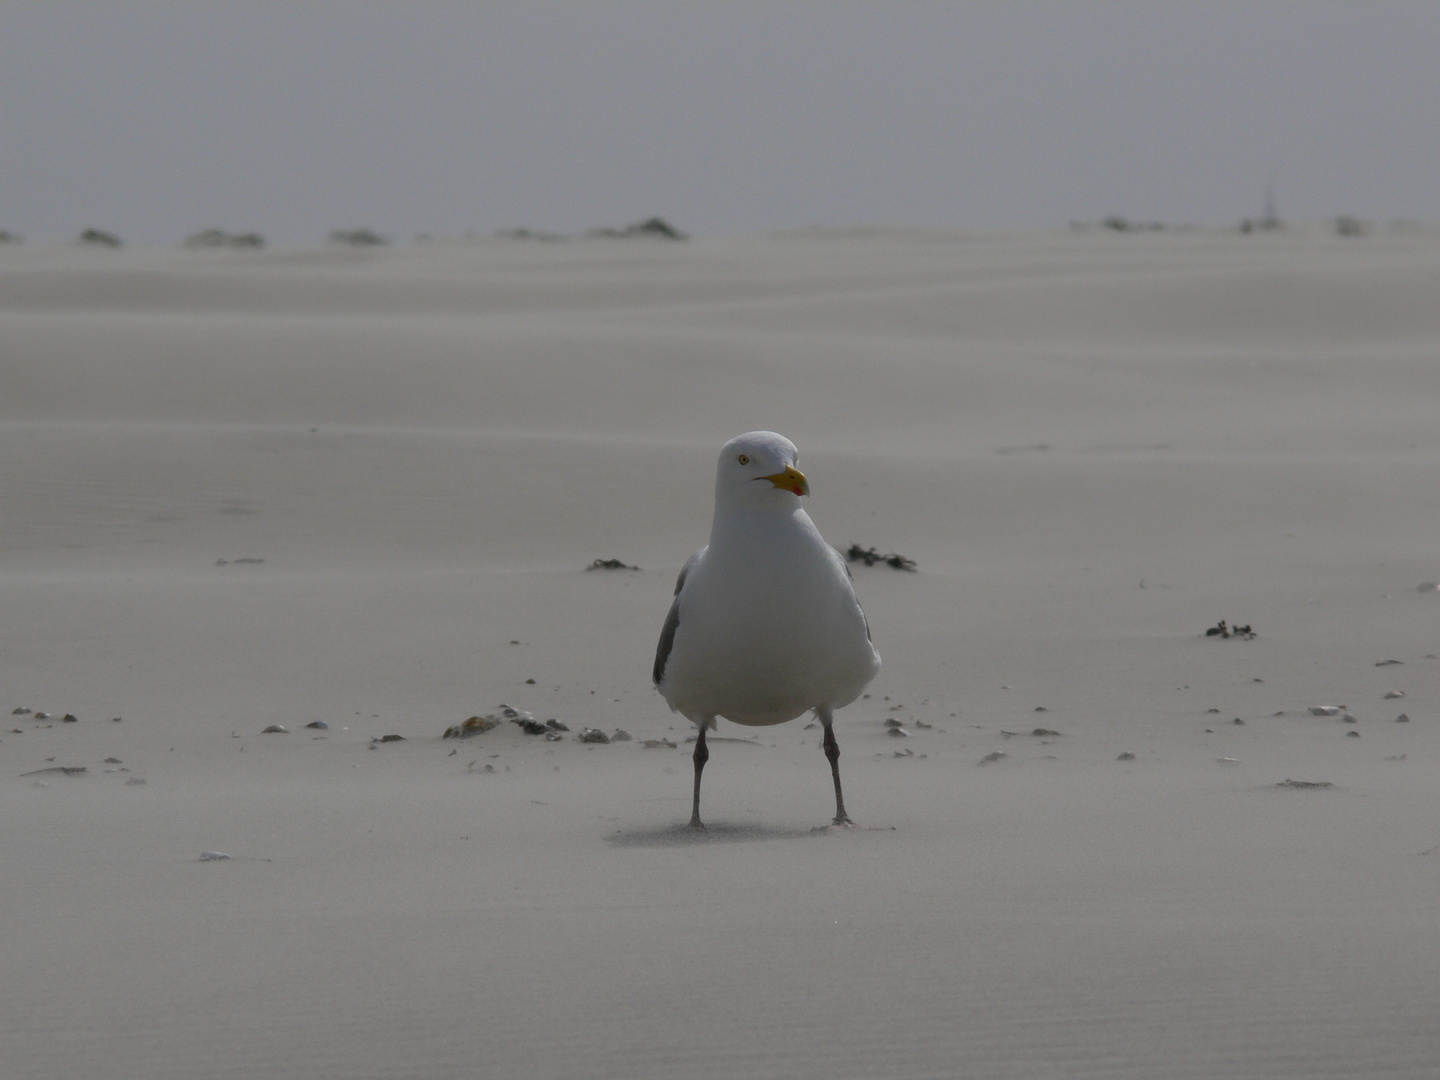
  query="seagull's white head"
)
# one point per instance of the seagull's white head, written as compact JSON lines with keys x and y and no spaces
{"x":758,"y":470}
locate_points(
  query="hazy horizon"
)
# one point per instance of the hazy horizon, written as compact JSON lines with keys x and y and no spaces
{"x":156,"y":121}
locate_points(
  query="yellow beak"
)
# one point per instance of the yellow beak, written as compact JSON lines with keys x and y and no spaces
{"x":792,"y":479}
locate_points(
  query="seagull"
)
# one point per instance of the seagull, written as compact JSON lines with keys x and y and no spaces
{"x":765,"y":625}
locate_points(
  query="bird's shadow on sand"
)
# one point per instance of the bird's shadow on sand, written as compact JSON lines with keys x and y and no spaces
{"x":684,"y":836}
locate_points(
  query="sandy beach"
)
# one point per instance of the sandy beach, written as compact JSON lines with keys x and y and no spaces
{"x":363,"y":487}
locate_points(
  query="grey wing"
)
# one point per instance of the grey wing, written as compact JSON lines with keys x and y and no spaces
{"x":849,"y":574}
{"x":672,"y":620}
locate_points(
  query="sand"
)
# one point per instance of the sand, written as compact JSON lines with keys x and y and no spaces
{"x":362,"y":487}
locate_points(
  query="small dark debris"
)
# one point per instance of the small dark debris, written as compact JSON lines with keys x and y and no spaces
{"x":100,"y":237}
{"x":1237,"y":720}
{"x":66,"y":770}
{"x":594,"y":735}
{"x":529,"y":682}
{"x":1224,"y":630}
{"x":357,"y":237}
{"x":610,"y":564}
{"x":556,"y":725}
{"x":871,"y":556}
{"x":1352,"y":734}
{"x":1388,"y":663}
{"x":1402,"y":719}
{"x":219,"y":238}
{"x":993,"y":756}
{"x":1126,"y":756}
{"x":1044,"y":733}
{"x":655,"y":227}
{"x":318,"y":725}
{"x":621,"y":735}
{"x":70,"y":718}
{"x":1041,"y":708}
{"x":388,"y":738}
{"x":113,"y":761}
{"x":1305,"y":784}
{"x":530,"y":727}
{"x":658,"y":744}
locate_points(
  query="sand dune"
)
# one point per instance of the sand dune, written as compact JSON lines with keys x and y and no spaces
{"x":361,"y":487}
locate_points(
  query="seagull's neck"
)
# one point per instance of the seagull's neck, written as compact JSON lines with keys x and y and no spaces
{"x":741,"y":526}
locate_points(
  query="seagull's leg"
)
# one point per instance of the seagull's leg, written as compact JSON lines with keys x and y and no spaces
{"x":702,"y":755}
{"x":832,"y":751}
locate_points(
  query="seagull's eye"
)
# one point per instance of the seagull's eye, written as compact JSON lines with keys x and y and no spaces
{"x":744,"y":459}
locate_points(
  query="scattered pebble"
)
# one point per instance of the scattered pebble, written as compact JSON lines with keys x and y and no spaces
{"x":556,"y":725}
{"x":22,"y":711}
{"x":1237,"y":720}
{"x":898,"y":732}
{"x":388,"y":738}
{"x":69,"y":718}
{"x":113,"y":761}
{"x":1305,"y":784}
{"x":1402,"y":719}
{"x":1352,"y":734}
{"x":42,"y":716}
{"x":1325,"y":710}
{"x":276,"y":729}
{"x":476,"y":725}
{"x":1126,"y":756}
{"x":318,"y":725}
{"x":621,"y":735}
{"x":993,"y":756}
{"x":1393,"y":695}
{"x":907,"y":752}
{"x":594,"y":735}
{"x":553,"y":736}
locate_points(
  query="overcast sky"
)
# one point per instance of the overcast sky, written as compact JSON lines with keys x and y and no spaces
{"x":725,"y":117}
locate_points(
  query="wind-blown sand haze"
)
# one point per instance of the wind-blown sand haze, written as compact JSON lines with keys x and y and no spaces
{"x":243,"y":489}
